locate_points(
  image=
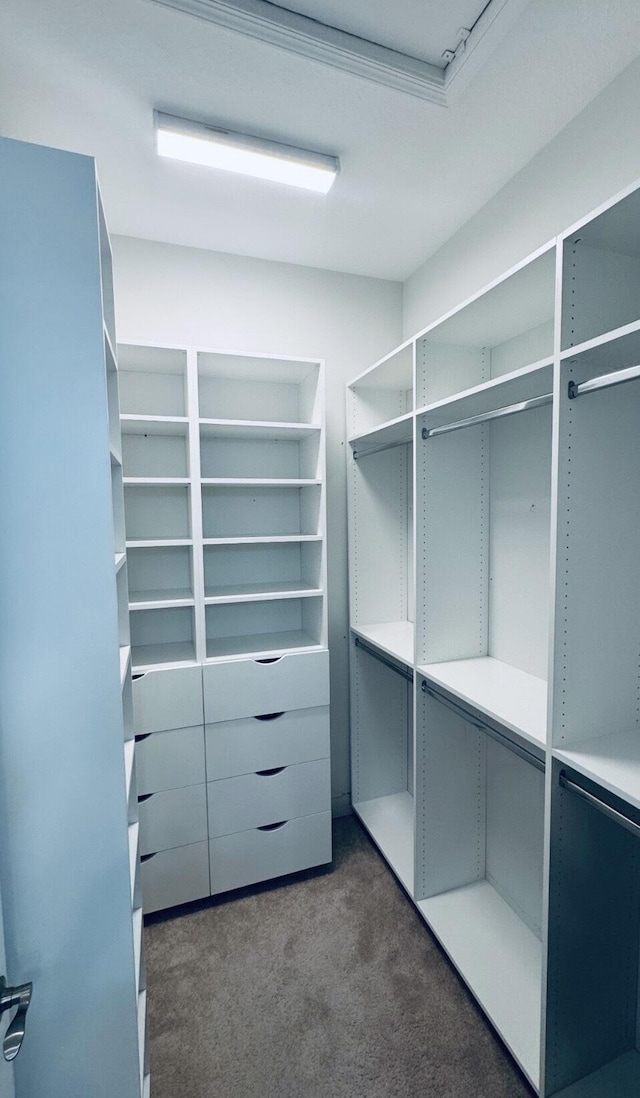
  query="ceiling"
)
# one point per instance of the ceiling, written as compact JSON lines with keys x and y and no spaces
{"x":86,"y":75}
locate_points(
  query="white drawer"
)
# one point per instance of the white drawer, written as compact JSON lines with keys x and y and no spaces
{"x":255,"y":743}
{"x":175,"y":877}
{"x":254,"y":800}
{"x":174,"y":817}
{"x":249,"y":688}
{"x":250,"y":856}
{"x":167,"y":699}
{"x":167,"y":760}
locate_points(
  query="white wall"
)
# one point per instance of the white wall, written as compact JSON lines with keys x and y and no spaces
{"x":185,"y":295}
{"x":595,"y":156}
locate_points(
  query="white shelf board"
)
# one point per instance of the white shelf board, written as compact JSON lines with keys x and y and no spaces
{"x":133,"y":836}
{"x":255,"y":482}
{"x":260,"y":592}
{"x":393,"y":637}
{"x":499,"y":958}
{"x":613,"y":761}
{"x":512,"y":388}
{"x":109,"y":353}
{"x":137,"y":944}
{"x":125,"y":656}
{"x":250,"y":429}
{"x":274,"y":539}
{"x":116,"y":457}
{"x":157,"y":543}
{"x":620,"y":1078}
{"x":120,"y":559}
{"x":394,"y":371}
{"x":155,"y":482}
{"x":622,"y":345}
{"x":390,"y":822}
{"x":154,"y":425}
{"x":260,"y":645}
{"x":129,"y":754}
{"x":163,"y":655}
{"x":513,"y":698}
{"x":157,"y":600}
{"x":142,"y":1028}
{"x":392,"y":433}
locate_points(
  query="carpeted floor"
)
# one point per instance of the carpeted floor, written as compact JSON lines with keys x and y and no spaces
{"x":321,"y":985}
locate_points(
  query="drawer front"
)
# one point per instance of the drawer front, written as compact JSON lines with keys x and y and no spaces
{"x":167,"y":699}
{"x":251,"y":856}
{"x":255,"y":800}
{"x":250,"y":744}
{"x":175,"y":877}
{"x":173,"y":818}
{"x":168,"y":760}
{"x":248,"y":688}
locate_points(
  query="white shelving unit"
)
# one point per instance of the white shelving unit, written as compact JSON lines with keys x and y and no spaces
{"x":225,"y":515}
{"x":509,"y":429}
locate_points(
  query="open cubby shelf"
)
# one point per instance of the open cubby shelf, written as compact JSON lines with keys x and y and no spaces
{"x":494,"y":525}
{"x":224,"y":488}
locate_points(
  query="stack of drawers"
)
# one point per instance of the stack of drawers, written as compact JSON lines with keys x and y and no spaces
{"x":245,"y":798}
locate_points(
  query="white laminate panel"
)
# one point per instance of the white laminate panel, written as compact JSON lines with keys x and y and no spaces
{"x":249,"y":688}
{"x":167,"y":699}
{"x":175,"y":877}
{"x":172,"y":818}
{"x":250,"y":744}
{"x":168,"y":760}
{"x":268,"y":797}
{"x":250,"y":856}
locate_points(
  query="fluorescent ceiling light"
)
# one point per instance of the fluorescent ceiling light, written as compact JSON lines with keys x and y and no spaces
{"x":196,"y":143}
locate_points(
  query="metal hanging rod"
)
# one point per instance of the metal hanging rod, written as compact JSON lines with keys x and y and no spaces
{"x":408,"y":675}
{"x":484,"y":417}
{"x":478,"y":723}
{"x":376,"y":449}
{"x":604,"y":381}
{"x":602,"y":806}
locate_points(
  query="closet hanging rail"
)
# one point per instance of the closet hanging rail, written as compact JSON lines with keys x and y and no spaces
{"x":602,"y":806}
{"x":408,"y":675}
{"x":477,"y":722}
{"x":604,"y":381}
{"x":484,"y":417}
{"x":376,"y":449}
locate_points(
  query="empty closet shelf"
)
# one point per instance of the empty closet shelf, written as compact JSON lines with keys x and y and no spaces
{"x":612,"y":761}
{"x":513,"y":698}
{"x":500,"y":960}
{"x":393,"y":637}
{"x":258,"y":482}
{"x":147,"y":656}
{"x":389,"y":821}
{"x":260,"y":645}
{"x":150,"y":600}
{"x":260,"y":429}
{"x":260,"y":592}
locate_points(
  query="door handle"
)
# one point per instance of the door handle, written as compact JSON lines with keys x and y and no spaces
{"x":11,"y":997}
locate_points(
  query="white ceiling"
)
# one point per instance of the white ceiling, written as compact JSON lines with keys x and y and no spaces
{"x":86,"y":75}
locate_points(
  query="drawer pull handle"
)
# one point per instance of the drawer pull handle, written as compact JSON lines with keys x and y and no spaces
{"x":143,"y":736}
{"x":273,"y":827}
{"x":269,"y":716}
{"x":270,"y":773}
{"x":145,"y":797}
{"x":140,"y":675}
{"x":147,"y":857}
{"x":272,"y":659}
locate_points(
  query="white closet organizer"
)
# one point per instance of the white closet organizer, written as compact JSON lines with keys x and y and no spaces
{"x":521,"y":634}
{"x":225,"y":516}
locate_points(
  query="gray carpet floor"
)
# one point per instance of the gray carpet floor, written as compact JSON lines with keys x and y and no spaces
{"x":321,"y":985}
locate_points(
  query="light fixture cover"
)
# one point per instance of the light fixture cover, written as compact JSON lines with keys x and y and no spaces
{"x":197,"y":143}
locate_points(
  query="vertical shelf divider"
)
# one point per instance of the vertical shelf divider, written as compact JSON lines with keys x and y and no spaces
{"x":193,"y":412}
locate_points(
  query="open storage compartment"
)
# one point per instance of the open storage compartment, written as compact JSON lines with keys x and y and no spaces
{"x":268,"y":453}
{"x":250,"y":388}
{"x":264,"y":627}
{"x":483,"y":557}
{"x":381,"y":549}
{"x":596,"y":718}
{"x":157,"y":512}
{"x":273,"y":569}
{"x":382,"y":394}
{"x":154,"y":449}
{"x":479,"y":865}
{"x":153,"y":381}
{"x":259,"y":511}
{"x":601,"y":273}
{"x":382,"y":754}
{"x":160,"y":573}
{"x":162,"y":636}
{"x":507,"y":327}
{"x":593,"y":1020}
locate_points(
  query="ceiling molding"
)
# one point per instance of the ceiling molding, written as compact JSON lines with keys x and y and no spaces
{"x":299,"y":34}
{"x":268,"y":22}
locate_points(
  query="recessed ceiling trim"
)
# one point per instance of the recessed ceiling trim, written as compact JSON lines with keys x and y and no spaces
{"x":496,"y":20}
{"x":299,"y":34}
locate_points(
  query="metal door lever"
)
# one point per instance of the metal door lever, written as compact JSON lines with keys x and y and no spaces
{"x":11,"y":997}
